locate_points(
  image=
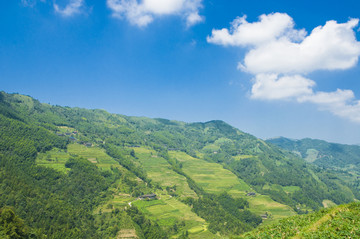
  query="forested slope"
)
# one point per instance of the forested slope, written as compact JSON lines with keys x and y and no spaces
{"x":340,"y":160}
{"x":77,"y":173}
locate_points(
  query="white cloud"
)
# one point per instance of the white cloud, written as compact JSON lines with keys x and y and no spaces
{"x":330,"y":47}
{"x":340,"y":102}
{"x":193,"y":18}
{"x":269,"y":28}
{"x":72,"y":8}
{"x":272,"y":87}
{"x":280,"y":56}
{"x":143,"y":13}
{"x":30,"y":3}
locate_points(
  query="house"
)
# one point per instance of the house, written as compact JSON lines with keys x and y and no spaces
{"x":251,"y":194}
{"x":72,"y":138}
{"x":148,"y":196}
{"x":88,"y":144}
{"x":264,"y":216}
{"x":67,"y":133}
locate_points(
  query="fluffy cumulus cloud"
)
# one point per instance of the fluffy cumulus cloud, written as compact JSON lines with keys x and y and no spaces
{"x":71,"y":8}
{"x":143,"y":12}
{"x":273,"y":87}
{"x":280,"y":57}
{"x":269,"y":28}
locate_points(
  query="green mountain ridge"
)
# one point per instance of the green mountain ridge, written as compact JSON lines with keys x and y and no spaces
{"x":78,"y":173}
{"x":340,"y":159}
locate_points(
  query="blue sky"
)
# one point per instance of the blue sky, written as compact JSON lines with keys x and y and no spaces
{"x":179,"y":60}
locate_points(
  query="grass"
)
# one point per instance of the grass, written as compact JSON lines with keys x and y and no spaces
{"x":328,"y":203}
{"x":65,"y":129}
{"x":263,"y":203}
{"x":55,"y":158}
{"x":159,"y":171}
{"x":287,"y":189}
{"x":311,"y":155}
{"x":240,"y":157}
{"x":291,"y":189}
{"x":338,"y":222}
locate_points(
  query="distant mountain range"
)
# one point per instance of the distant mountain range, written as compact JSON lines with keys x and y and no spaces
{"x":340,"y":159}
{"x":320,"y":152}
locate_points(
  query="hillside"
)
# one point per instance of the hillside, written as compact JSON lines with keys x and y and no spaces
{"x":71,"y":172}
{"x":340,"y":159}
{"x":338,"y":222}
{"x":320,"y":152}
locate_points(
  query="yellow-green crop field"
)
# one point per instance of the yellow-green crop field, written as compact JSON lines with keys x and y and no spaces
{"x":168,"y":210}
{"x":93,"y":154}
{"x":55,"y":158}
{"x":159,"y":170}
{"x":213,"y":178}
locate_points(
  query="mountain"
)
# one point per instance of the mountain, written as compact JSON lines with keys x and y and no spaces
{"x":340,"y":159}
{"x":79,"y":173}
{"x":320,"y":152}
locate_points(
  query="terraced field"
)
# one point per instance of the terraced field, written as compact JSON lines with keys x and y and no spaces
{"x":159,"y":170}
{"x":167,"y":211}
{"x":213,"y":178}
{"x":261,"y":204}
{"x":57,"y":158}
{"x":93,"y":154}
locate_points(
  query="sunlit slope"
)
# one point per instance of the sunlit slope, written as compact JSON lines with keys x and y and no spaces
{"x":57,"y":158}
{"x":213,"y":178}
{"x":159,"y":171}
{"x":166,"y":211}
{"x":339,"y":222}
{"x":187,"y":161}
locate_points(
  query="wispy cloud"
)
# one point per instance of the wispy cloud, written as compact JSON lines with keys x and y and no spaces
{"x":30,"y":3}
{"x":280,"y":57}
{"x":72,"y":8}
{"x":144,"y":12}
